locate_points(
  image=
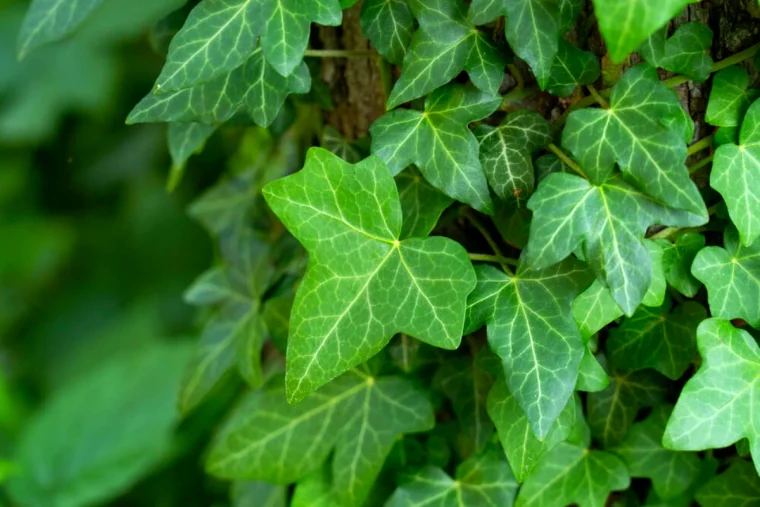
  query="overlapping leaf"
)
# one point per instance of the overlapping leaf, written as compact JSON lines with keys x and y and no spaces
{"x":572,"y":67}
{"x":717,"y":406}
{"x":530,"y":326}
{"x":683,"y":53}
{"x":677,"y":258}
{"x":362,"y":284}
{"x":389,"y":25}
{"x":49,"y":20}
{"x":185,"y":139}
{"x":439,"y":142}
{"x":739,"y":485}
{"x":421,"y":203}
{"x":729,"y":97}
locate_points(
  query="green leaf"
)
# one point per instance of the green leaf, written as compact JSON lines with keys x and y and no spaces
{"x":184,"y":140}
{"x":421,"y":203}
{"x":683,"y":53}
{"x":333,"y":142}
{"x":50,"y":20}
{"x":357,"y":417}
{"x":732,"y":278}
{"x":388,"y":24}
{"x":677,"y":259}
{"x":481,"y":481}
{"x":632,"y":134}
{"x":716,"y":406}
{"x":658,"y":338}
{"x":315,"y":490}
{"x":362,"y":284}
{"x":261,"y":494}
{"x":572,"y":67}
{"x":625,"y":25}
{"x":444,"y":45}
{"x":591,"y":376}
{"x":522,"y":448}
{"x":506,"y":151}
{"x":729,"y":97}
{"x":119,"y":419}
{"x":736,"y":175}
{"x":439,"y":142}
{"x":671,"y":472}
{"x":739,"y":485}
{"x":225,"y":207}
{"x":530,"y":327}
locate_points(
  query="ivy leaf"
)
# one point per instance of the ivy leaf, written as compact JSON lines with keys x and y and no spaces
{"x":729,"y":97}
{"x":672,"y":473}
{"x":185,"y":139}
{"x":315,"y":490}
{"x":505,"y":152}
{"x":632,"y":134}
{"x":225,"y":208}
{"x":445,"y":44}
{"x":625,"y":25}
{"x":732,"y":278}
{"x":439,"y":142}
{"x":522,"y":448}
{"x":683,"y":53}
{"x":736,"y":175}
{"x":739,"y":485}
{"x":388,"y":24}
{"x":481,"y":481}
{"x":421,"y":203}
{"x":591,"y":375}
{"x":658,"y":338}
{"x":572,"y":67}
{"x":716,"y":406}
{"x":530,"y":327}
{"x":50,"y":20}
{"x":677,"y":259}
{"x":244,"y":493}
{"x":362,"y":284}
{"x":334,"y":142}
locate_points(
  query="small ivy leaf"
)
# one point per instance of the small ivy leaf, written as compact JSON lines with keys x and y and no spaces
{"x":572,"y":67}
{"x":184,"y":140}
{"x":530,"y":327}
{"x":548,"y":164}
{"x":716,"y":406}
{"x":421,"y":203}
{"x":445,"y":44}
{"x":612,"y":411}
{"x":225,"y":207}
{"x":729,"y":97}
{"x":732,"y":278}
{"x":276,"y":314}
{"x":314,"y":490}
{"x":389,"y":25}
{"x":671,"y":473}
{"x":631,"y":134}
{"x":522,"y":448}
{"x":726,"y":135}
{"x":573,"y":474}
{"x":50,"y":20}
{"x":591,"y":375}
{"x":360,"y":417}
{"x":505,"y":152}
{"x":739,"y":485}
{"x":439,"y":142}
{"x":677,"y":259}
{"x":513,"y":222}
{"x":349,"y":220}
{"x":333,"y":142}
{"x":625,"y":25}
{"x":736,"y":175}
{"x":658,"y":338}
{"x":481,"y":481}
{"x":683,"y":53}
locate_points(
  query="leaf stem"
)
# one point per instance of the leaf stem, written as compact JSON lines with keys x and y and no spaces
{"x":699,"y":165}
{"x":726,"y":62}
{"x":598,"y":98}
{"x":339,"y":53}
{"x":700,"y":145}
{"x":470,"y":216}
{"x":515,"y":73}
{"x":514,"y":96}
{"x":567,"y":160}
{"x":496,"y":259}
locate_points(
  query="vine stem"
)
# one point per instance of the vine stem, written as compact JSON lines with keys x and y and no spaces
{"x":339,"y":53}
{"x":598,"y":98}
{"x":567,"y":160}
{"x":699,"y":165}
{"x":496,"y":259}
{"x":700,"y":145}
{"x":470,"y":216}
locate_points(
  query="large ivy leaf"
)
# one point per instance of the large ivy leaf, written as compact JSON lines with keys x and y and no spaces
{"x":506,"y":152}
{"x":522,"y":448}
{"x":739,"y":485}
{"x":359,"y":417}
{"x":362,"y":284}
{"x":388,"y":24}
{"x":572,"y":67}
{"x":671,"y":472}
{"x":729,"y":97}
{"x":481,"y":481}
{"x":732,"y":278}
{"x":625,"y":24}
{"x":717,"y":405}
{"x":439,"y":142}
{"x":736,"y":175}
{"x":658,"y":338}
{"x":677,"y":258}
{"x":49,"y":20}
{"x":445,"y":44}
{"x":683,"y":53}
{"x":632,"y":133}
{"x":530,"y":326}
{"x":421,"y":203}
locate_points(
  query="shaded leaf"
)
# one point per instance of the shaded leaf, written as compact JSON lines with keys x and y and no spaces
{"x":683,"y":53}
{"x":572,"y":67}
{"x":388,"y":24}
{"x":677,"y":259}
{"x":184,"y":140}
{"x":729,"y":97}
{"x":739,"y":485}
{"x":421,"y":203}
{"x":50,"y":20}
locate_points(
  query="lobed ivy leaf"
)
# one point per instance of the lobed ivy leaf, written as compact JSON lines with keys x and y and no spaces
{"x":736,"y":175}
{"x":677,"y":259}
{"x":506,"y":152}
{"x":530,"y":326}
{"x":362,"y":284}
{"x":439,"y":142}
{"x":358,"y":417}
{"x":572,"y":67}
{"x":591,"y":375}
{"x":185,"y":139}
{"x":333,"y":141}
{"x":716,"y":406}
{"x":732,"y":278}
{"x":50,"y":20}
{"x":633,"y":134}
{"x":739,"y":485}
{"x":421,"y":203}
{"x":683,"y":53}
{"x":445,"y":44}
{"x":625,"y":24}
{"x":729,"y":97}
{"x":389,"y":25}
{"x":481,"y":481}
